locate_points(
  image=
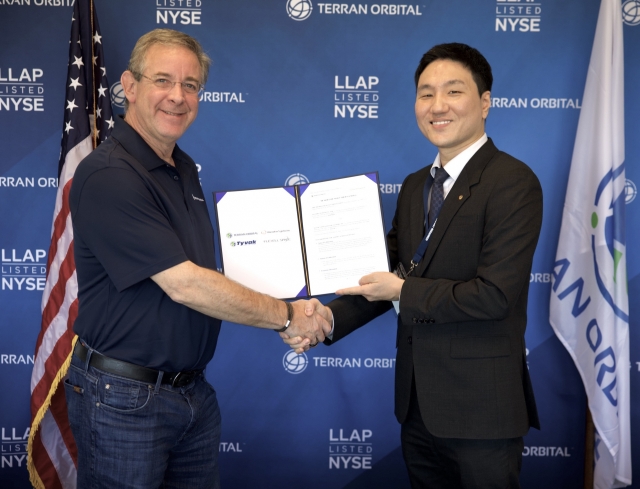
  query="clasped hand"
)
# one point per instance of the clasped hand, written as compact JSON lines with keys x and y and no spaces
{"x":312,"y":322}
{"x":377,"y":286}
{"x":308,"y":326}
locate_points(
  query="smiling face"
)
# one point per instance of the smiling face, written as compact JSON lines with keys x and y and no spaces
{"x":449,"y":110}
{"x":162,"y":116}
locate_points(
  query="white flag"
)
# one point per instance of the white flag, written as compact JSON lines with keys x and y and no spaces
{"x":589,"y":308}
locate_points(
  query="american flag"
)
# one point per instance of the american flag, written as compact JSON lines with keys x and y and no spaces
{"x":88,"y":120}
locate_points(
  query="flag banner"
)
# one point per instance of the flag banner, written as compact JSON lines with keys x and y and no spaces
{"x":88,"y":119}
{"x":589,"y":309}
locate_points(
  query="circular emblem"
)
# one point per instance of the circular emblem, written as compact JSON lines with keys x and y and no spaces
{"x":608,"y":240}
{"x":631,"y":12}
{"x":294,"y":363}
{"x":117,"y":95}
{"x":630,"y":191}
{"x":296,"y":179}
{"x":299,"y":9}
{"x":233,"y":243}
{"x":229,"y":235}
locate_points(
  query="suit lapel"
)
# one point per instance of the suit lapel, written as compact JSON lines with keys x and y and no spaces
{"x":417,"y":218}
{"x":457,"y":196}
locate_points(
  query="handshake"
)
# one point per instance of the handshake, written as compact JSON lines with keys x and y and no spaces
{"x":311,"y":323}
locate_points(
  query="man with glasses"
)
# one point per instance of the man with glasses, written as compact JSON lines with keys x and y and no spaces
{"x":150,"y":300}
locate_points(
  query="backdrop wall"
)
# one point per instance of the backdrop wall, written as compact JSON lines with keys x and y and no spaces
{"x":315,"y":94}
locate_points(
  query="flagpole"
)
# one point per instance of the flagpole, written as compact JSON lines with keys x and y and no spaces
{"x":589,"y":442}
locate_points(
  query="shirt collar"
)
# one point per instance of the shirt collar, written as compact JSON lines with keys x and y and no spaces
{"x":137,"y":147}
{"x":457,"y":164}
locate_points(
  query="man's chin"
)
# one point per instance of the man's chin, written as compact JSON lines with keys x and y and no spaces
{"x":173,"y":131}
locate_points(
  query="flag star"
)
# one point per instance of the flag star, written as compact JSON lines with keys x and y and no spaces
{"x":97,"y":38}
{"x":111,"y":122}
{"x":75,"y":83}
{"x":97,"y":132}
{"x":104,"y":70}
{"x":71,"y":105}
{"x":95,"y":60}
{"x":102,"y":91}
{"x":98,"y":112}
{"x":68,"y":127}
{"x":78,"y":62}
{"x":79,"y":43}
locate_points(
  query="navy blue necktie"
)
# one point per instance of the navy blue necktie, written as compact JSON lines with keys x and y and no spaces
{"x":437,"y":195}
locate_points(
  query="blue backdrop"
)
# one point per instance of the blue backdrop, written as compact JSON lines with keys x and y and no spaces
{"x":303,"y":89}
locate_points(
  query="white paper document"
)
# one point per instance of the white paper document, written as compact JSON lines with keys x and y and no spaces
{"x":303,"y":240}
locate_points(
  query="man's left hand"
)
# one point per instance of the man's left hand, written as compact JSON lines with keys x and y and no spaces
{"x":377,"y":286}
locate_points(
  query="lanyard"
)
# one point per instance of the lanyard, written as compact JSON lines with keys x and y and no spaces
{"x":424,"y":243}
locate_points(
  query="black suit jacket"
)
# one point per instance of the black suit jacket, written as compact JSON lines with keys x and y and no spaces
{"x":463,"y":312}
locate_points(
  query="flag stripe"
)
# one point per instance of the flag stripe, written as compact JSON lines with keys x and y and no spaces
{"x":63,"y":271}
{"x":46,"y":470}
{"x":54,"y":328}
{"x":63,"y":230}
{"x":57,"y":357}
{"x":58,"y":293}
{"x":59,"y":228}
{"x":57,"y":421}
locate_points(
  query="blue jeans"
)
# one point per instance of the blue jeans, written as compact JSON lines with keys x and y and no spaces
{"x":139,"y":436}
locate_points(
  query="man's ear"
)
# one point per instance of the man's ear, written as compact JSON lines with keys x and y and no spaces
{"x":129,"y":85}
{"x":486,"y":103}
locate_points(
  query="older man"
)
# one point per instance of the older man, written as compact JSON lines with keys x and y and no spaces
{"x":150,"y":300}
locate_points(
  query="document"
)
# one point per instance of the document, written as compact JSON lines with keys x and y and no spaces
{"x":302,"y":240}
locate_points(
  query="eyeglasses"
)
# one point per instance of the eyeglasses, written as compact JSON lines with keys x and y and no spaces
{"x":191,"y":88}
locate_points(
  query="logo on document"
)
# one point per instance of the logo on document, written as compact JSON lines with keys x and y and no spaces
{"x":296,"y":179}
{"x":294,"y":363}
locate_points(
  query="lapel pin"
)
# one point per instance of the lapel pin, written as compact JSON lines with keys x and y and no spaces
{"x":459,"y":197}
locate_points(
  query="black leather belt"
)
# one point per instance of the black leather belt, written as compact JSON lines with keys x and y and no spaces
{"x":134,"y":372}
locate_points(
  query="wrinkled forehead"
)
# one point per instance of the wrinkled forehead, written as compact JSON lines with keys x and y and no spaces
{"x":172,"y":61}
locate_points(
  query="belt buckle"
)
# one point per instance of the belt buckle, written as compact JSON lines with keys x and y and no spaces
{"x":175,"y":379}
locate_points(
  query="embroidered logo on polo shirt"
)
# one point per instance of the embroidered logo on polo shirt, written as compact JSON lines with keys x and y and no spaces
{"x":197,"y":198}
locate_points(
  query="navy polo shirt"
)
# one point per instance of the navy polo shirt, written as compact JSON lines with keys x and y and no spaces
{"x":134,"y":216}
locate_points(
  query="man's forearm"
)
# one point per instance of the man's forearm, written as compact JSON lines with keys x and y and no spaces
{"x":211,"y":293}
